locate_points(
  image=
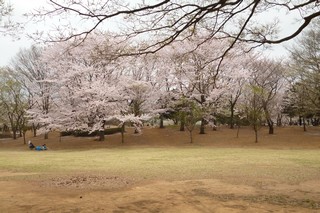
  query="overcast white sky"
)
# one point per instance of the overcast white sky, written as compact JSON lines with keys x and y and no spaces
{"x":9,"y":47}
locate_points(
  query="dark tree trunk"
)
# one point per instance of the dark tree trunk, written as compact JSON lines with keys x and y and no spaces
{"x":269,"y":120}
{"x":300,"y":120}
{"x":279,"y":120}
{"x":203,"y":121}
{"x":101,"y":135}
{"x":14,"y":132}
{"x":270,"y":125}
{"x":304,"y":124}
{"x":202,"y":126}
{"x":256,"y":133}
{"x":46,"y":135}
{"x":256,"y":136}
{"x":122,"y":133}
{"x":34,"y":128}
{"x":271,"y":130}
{"x":232,"y":116}
{"x":101,"y":132}
{"x":182,"y":124}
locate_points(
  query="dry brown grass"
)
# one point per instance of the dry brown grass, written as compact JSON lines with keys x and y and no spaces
{"x":284,"y":138}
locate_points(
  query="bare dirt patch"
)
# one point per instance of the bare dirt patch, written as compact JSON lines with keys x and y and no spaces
{"x":87,"y":182}
{"x":159,"y":196}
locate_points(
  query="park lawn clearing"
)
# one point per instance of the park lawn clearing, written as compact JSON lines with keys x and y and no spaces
{"x":170,"y":163}
{"x":135,"y":178}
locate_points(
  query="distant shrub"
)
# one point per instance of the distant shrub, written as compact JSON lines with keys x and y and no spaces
{"x":80,"y":133}
{"x":66,"y":133}
{"x":111,"y":131}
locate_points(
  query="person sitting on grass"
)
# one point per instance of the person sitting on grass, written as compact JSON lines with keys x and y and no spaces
{"x":30,"y":144}
{"x":44,"y":147}
{"x":40,"y":148}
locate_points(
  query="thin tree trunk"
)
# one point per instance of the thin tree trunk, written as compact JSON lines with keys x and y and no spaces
{"x":161,"y":122}
{"x":122,"y":133}
{"x":34,"y":131}
{"x":232,"y":116}
{"x":238,"y":130}
{"x":191,"y":136}
{"x":304,"y":125}
{"x":269,"y":120}
{"x":24,"y":137}
{"x":279,"y":120}
{"x":256,"y":135}
{"x":202,"y":126}
{"x":46,"y":135}
{"x":101,"y":132}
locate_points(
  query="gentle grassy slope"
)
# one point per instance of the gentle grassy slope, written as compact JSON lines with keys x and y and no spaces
{"x":175,"y":163}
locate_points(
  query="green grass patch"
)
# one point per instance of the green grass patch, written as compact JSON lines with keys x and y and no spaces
{"x":171,"y":163}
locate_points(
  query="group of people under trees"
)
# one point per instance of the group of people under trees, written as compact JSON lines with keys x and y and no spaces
{"x":38,"y":148}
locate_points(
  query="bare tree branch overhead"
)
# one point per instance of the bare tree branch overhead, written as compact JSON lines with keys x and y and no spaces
{"x":162,"y":22}
{"x":7,"y":26}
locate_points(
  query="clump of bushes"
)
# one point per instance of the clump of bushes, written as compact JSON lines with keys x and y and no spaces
{"x":80,"y":133}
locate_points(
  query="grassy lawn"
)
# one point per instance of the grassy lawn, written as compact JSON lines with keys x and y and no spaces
{"x":174,"y":163}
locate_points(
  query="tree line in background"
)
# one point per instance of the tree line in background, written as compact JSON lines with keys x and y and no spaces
{"x":202,"y":68}
{"x":84,"y":88}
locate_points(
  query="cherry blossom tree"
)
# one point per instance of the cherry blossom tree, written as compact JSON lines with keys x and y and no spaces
{"x":155,"y":71}
{"x":197,"y":75}
{"x":141,"y":100}
{"x":138,"y":94}
{"x":92,"y":87}
{"x":86,"y":85}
